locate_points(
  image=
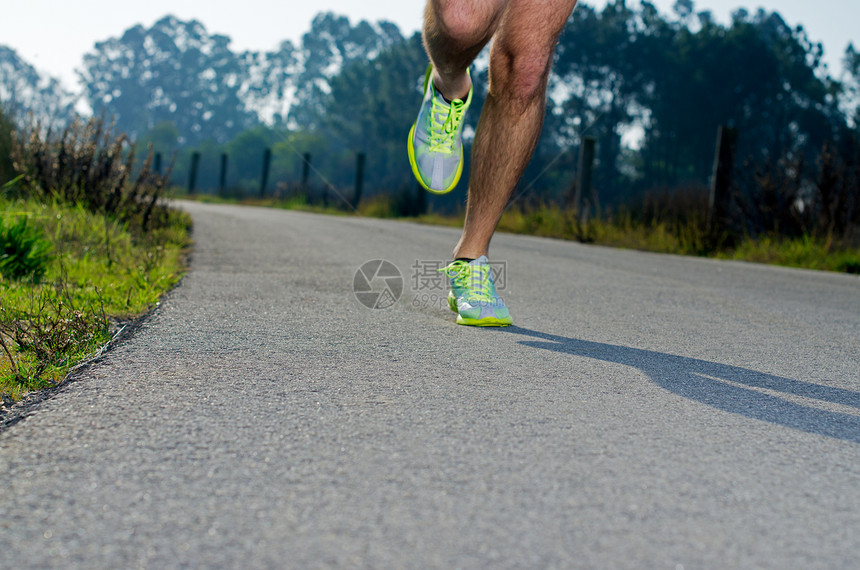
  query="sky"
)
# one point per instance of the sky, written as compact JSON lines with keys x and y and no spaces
{"x":54,"y":35}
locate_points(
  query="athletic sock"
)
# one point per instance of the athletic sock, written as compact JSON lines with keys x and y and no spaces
{"x":439,"y":93}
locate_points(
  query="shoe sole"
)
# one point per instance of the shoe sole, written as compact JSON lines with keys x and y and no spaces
{"x":487,"y":322}
{"x":417,"y":175}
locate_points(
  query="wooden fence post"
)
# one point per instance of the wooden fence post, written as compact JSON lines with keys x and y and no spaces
{"x":222,"y":178}
{"x":306,"y":171}
{"x":359,"y":179}
{"x":584,"y":197}
{"x":721,"y":183}
{"x":192,"y":175}
{"x":264,"y":177}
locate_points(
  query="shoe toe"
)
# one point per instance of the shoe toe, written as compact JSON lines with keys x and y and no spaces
{"x":494,"y":311}
{"x":470,"y":310}
{"x":480,"y":310}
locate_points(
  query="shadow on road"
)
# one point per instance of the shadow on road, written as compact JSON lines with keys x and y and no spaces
{"x":729,"y":388}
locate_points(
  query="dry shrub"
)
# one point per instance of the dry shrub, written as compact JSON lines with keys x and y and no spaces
{"x":788,"y":199}
{"x":87,"y":163}
{"x":49,"y":333}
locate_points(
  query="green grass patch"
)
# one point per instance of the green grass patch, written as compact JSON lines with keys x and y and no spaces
{"x":686,"y":238}
{"x":805,"y":252}
{"x":77,"y":275}
{"x":298,"y":202}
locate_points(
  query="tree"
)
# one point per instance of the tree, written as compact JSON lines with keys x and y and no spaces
{"x":246,"y":155}
{"x":758,"y":75}
{"x":599,"y":82}
{"x":164,"y":137}
{"x":370,"y":108}
{"x":175,"y":72}
{"x":851,"y":94}
{"x":25,"y":93}
{"x":330,"y":46}
{"x":270,"y":82}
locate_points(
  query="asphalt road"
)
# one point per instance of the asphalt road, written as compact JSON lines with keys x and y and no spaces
{"x":645,"y":411}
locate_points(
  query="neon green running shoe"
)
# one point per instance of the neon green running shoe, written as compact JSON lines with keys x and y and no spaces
{"x":473,"y":294}
{"x":435,"y":140}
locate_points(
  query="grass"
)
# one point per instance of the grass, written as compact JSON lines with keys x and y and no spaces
{"x":97,"y":273}
{"x":300,"y":203}
{"x":684,"y":238}
{"x":784,"y":212}
{"x":804,"y":252}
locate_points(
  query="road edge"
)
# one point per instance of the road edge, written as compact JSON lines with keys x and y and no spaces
{"x":13,"y":412}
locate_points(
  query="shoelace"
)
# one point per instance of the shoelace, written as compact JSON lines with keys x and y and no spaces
{"x":445,"y":120}
{"x":474,"y":278}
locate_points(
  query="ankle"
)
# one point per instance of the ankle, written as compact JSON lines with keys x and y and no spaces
{"x":464,"y":253}
{"x":451,"y":88}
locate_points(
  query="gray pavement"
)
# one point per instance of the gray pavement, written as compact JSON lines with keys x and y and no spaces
{"x":646,"y":411}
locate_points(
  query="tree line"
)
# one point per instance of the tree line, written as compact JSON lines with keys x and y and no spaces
{"x":652,"y":88}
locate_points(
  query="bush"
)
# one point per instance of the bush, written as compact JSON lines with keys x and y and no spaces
{"x":791,"y":201}
{"x":24,"y":253}
{"x":91,"y":165}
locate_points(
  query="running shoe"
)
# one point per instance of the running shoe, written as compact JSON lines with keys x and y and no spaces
{"x":435,"y":140}
{"x":473,"y":294}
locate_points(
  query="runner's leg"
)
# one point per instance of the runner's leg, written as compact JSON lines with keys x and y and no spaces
{"x":510,"y":123}
{"x":455,"y":32}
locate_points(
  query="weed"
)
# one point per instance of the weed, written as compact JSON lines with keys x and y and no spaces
{"x":46,"y":335}
{"x":91,"y":165}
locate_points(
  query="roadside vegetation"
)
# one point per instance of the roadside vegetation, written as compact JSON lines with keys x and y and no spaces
{"x":87,"y":243}
{"x":790,"y":215}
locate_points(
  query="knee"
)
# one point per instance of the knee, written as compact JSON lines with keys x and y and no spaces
{"x":519,"y":74}
{"x":466,"y":23}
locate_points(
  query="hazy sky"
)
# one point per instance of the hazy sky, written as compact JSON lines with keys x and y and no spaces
{"x":53,"y":35}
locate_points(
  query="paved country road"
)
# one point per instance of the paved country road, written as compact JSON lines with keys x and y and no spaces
{"x":646,"y":411}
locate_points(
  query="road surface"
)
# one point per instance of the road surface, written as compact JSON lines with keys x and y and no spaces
{"x":646,"y":411}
